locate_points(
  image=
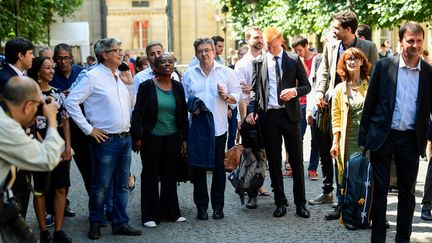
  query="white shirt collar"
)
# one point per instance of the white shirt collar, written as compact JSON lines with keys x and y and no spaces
{"x":402,"y":63}
{"x":107,"y":70}
{"x":19,"y":72}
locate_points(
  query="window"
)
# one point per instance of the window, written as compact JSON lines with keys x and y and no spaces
{"x":137,"y":4}
{"x":140,"y":38}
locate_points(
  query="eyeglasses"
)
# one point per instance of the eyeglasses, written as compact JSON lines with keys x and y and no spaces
{"x":117,"y":50}
{"x":60,"y":59}
{"x":204,"y":51}
{"x":352,"y":59}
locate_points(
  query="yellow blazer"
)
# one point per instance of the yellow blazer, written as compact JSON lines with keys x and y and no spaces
{"x":340,"y":109}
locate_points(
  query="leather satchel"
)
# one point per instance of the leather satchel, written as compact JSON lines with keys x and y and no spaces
{"x":232,"y":157}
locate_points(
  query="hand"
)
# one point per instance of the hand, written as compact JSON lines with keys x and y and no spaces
{"x":126,"y":77}
{"x":50,"y":112}
{"x":251,"y":119}
{"x":66,"y":155}
{"x":334,"y":151}
{"x":246,"y":88}
{"x":320,"y":102}
{"x":362,"y":149}
{"x":184,"y":148}
{"x":99,"y":135}
{"x":66,"y":92}
{"x":309,"y":117}
{"x":196,"y":112}
{"x":229,"y":113}
{"x":221,"y":91}
{"x":136,"y":145}
{"x":288,"y":94}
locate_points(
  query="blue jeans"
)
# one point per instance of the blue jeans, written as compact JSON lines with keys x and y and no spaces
{"x":111,"y":166}
{"x":232,"y":128}
{"x":314,"y":153}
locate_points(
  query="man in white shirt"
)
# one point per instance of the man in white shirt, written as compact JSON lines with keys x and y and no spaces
{"x":153,"y":49}
{"x":108,"y":98}
{"x":217,"y":86}
{"x":19,"y":104}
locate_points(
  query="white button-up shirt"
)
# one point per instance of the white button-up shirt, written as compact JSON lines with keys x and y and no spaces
{"x":107,"y":101}
{"x":271,"y":68}
{"x":197,"y":84}
{"x":19,"y":73}
{"x":244,"y":70}
{"x":405,"y":111}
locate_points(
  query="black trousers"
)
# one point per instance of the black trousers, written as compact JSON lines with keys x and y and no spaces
{"x":199,"y":179}
{"x":160,"y":156}
{"x":403,"y":146}
{"x":325,"y":140}
{"x":275,"y":126}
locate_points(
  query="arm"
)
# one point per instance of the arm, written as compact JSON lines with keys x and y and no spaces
{"x":369,"y":104}
{"x":233,"y":89}
{"x":323,"y":77}
{"x":66,"y":155}
{"x":137,"y":118}
{"x":373,"y":55}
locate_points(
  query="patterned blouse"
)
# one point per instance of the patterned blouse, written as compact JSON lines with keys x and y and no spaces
{"x":41,"y":120}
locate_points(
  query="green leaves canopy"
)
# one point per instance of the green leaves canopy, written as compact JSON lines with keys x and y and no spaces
{"x":33,"y":17}
{"x":315,"y":16}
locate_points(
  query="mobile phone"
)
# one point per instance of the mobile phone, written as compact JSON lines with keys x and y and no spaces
{"x":123,"y":67}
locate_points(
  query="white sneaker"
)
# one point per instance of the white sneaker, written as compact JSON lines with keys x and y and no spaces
{"x":150,"y":224}
{"x":181,"y":219}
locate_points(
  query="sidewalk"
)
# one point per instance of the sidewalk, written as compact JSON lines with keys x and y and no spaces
{"x":240,"y":224}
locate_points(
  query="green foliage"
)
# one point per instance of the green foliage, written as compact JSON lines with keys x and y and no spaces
{"x":33,"y":17}
{"x":315,"y":16}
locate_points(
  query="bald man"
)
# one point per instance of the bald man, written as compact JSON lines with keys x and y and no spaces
{"x":18,"y":106}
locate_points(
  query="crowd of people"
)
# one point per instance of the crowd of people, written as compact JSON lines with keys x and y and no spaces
{"x":53,"y":110}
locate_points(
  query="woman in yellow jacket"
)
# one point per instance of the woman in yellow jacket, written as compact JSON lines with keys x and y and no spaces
{"x":347,"y":106}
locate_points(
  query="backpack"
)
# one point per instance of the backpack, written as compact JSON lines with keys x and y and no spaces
{"x":358,"y":192}
{"x":249,"y":175}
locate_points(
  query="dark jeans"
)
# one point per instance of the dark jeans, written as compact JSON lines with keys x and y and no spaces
{"x":111,"y":164}
{"x":276,"y":126}
{"x":403,"y":146}
{"x":324,"y":146}
{"x":199,"y":179}
{"x":314,"y":153}
{"x":427,"y":194}
{"x":160,"y":156}
{"x":232,"y":128}
{"x":303,"y":122}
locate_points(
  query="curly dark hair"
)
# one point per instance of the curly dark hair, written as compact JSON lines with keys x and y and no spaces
{"x":353,"y":53}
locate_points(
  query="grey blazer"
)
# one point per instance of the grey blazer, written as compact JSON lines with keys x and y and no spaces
{"x":375,"y":123}
{"x":326,"y":82}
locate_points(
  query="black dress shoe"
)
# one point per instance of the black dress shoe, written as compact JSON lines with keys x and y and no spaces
{"x":202,"y":214}
{"x":333,"y":215}
{"x":94,"y":231}
{"x":280,"y":211}
{"x":127,"y":230}
{"x":61,"y":237}
{"x":252,"y":203}
{"x":218,"y":214}
{"x":45,"y":237}
{"x":302,"y":211}
{"x":351,"y":227}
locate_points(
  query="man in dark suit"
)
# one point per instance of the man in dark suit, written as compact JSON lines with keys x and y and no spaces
{"x":395,"y":123}
{"x":344,"y":26}
{"x":19,"y":57}
{"x":275,"y":95}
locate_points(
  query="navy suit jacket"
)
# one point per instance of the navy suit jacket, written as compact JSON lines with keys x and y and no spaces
{"x":5,"y":74}
{"x":375,"y":123}
{"x":294,"y":76}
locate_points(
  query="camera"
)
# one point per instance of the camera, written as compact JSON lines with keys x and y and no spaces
{"x":40,"y":107}
{"x":123,"y":67}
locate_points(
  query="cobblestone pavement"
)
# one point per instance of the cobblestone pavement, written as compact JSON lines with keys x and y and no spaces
{"x":240,"y":224}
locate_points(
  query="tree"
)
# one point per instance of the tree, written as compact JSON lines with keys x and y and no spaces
{"x":315,"y":16}
{"x":32,"y":19}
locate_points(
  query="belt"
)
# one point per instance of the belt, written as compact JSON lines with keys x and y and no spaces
{"x":122,"y":134}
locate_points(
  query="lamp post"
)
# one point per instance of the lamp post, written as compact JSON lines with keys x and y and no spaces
{"x":224,"y":12}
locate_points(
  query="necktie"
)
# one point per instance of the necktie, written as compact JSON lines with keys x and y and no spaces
{"x":278,"y":81}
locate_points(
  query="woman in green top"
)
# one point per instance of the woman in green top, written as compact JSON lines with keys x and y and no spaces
{"x":159,"y":132}
{"x":347,"y":107}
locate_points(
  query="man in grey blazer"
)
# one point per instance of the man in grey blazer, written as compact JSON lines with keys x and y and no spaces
{"x":343,"y":27}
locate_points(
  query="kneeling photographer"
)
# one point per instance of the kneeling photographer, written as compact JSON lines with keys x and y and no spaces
{"x":19,"y":103}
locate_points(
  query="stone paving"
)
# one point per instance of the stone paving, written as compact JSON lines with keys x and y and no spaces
{"x":240,"y":224}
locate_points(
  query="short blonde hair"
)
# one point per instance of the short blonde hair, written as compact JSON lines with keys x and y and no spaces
{"x":272,"y":33}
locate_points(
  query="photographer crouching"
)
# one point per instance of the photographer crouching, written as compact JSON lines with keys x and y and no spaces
{"x":19,"y":102}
